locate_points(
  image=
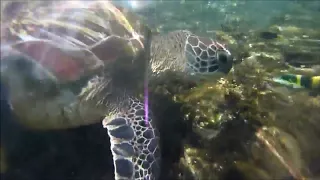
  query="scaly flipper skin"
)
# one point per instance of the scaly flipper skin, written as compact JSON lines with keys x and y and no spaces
{"x":134,"y":143}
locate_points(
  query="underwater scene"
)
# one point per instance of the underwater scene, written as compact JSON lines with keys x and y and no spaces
{"x":160,"y":90}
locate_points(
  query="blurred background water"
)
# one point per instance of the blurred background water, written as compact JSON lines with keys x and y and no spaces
{"x":272,"y":32}
{"x":203,"y":16}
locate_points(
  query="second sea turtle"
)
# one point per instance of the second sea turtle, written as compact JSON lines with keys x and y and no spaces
{"x":69,"y":64}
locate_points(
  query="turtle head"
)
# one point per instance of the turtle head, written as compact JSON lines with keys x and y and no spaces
{"x":206,"y":56}
{"x":25,"y":77}
{"x":182,"y":51}
{"x":31,"y":90}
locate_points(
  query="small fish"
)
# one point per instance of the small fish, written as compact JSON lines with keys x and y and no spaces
{"x":299,"y":81}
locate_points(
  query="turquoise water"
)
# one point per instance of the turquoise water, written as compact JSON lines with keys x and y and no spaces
{"x":209,"y":15}
{"x":283,"y":36}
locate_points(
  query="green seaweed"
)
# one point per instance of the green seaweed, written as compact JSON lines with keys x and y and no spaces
{"x":245,"y":95}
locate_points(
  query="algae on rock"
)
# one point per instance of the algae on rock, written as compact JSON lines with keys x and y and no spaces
{"x":247,"y":97}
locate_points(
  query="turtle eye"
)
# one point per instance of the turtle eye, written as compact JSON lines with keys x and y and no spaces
{"x":223,"y":57}
{"x":225,"y":61}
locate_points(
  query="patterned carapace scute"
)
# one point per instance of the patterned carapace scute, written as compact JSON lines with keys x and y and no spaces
{"x":81,"y":35}
{"x":84,"y":21}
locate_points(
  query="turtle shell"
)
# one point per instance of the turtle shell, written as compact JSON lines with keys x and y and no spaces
{"x":71,"y":39}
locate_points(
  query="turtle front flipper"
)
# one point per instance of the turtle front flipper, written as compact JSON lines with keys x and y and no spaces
{"x":134,"y":143}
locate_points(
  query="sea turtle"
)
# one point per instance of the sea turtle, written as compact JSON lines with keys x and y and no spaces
{"x":69,"y":64}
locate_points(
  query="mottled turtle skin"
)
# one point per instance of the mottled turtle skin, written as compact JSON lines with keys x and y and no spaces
{"x":67,"y":65}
